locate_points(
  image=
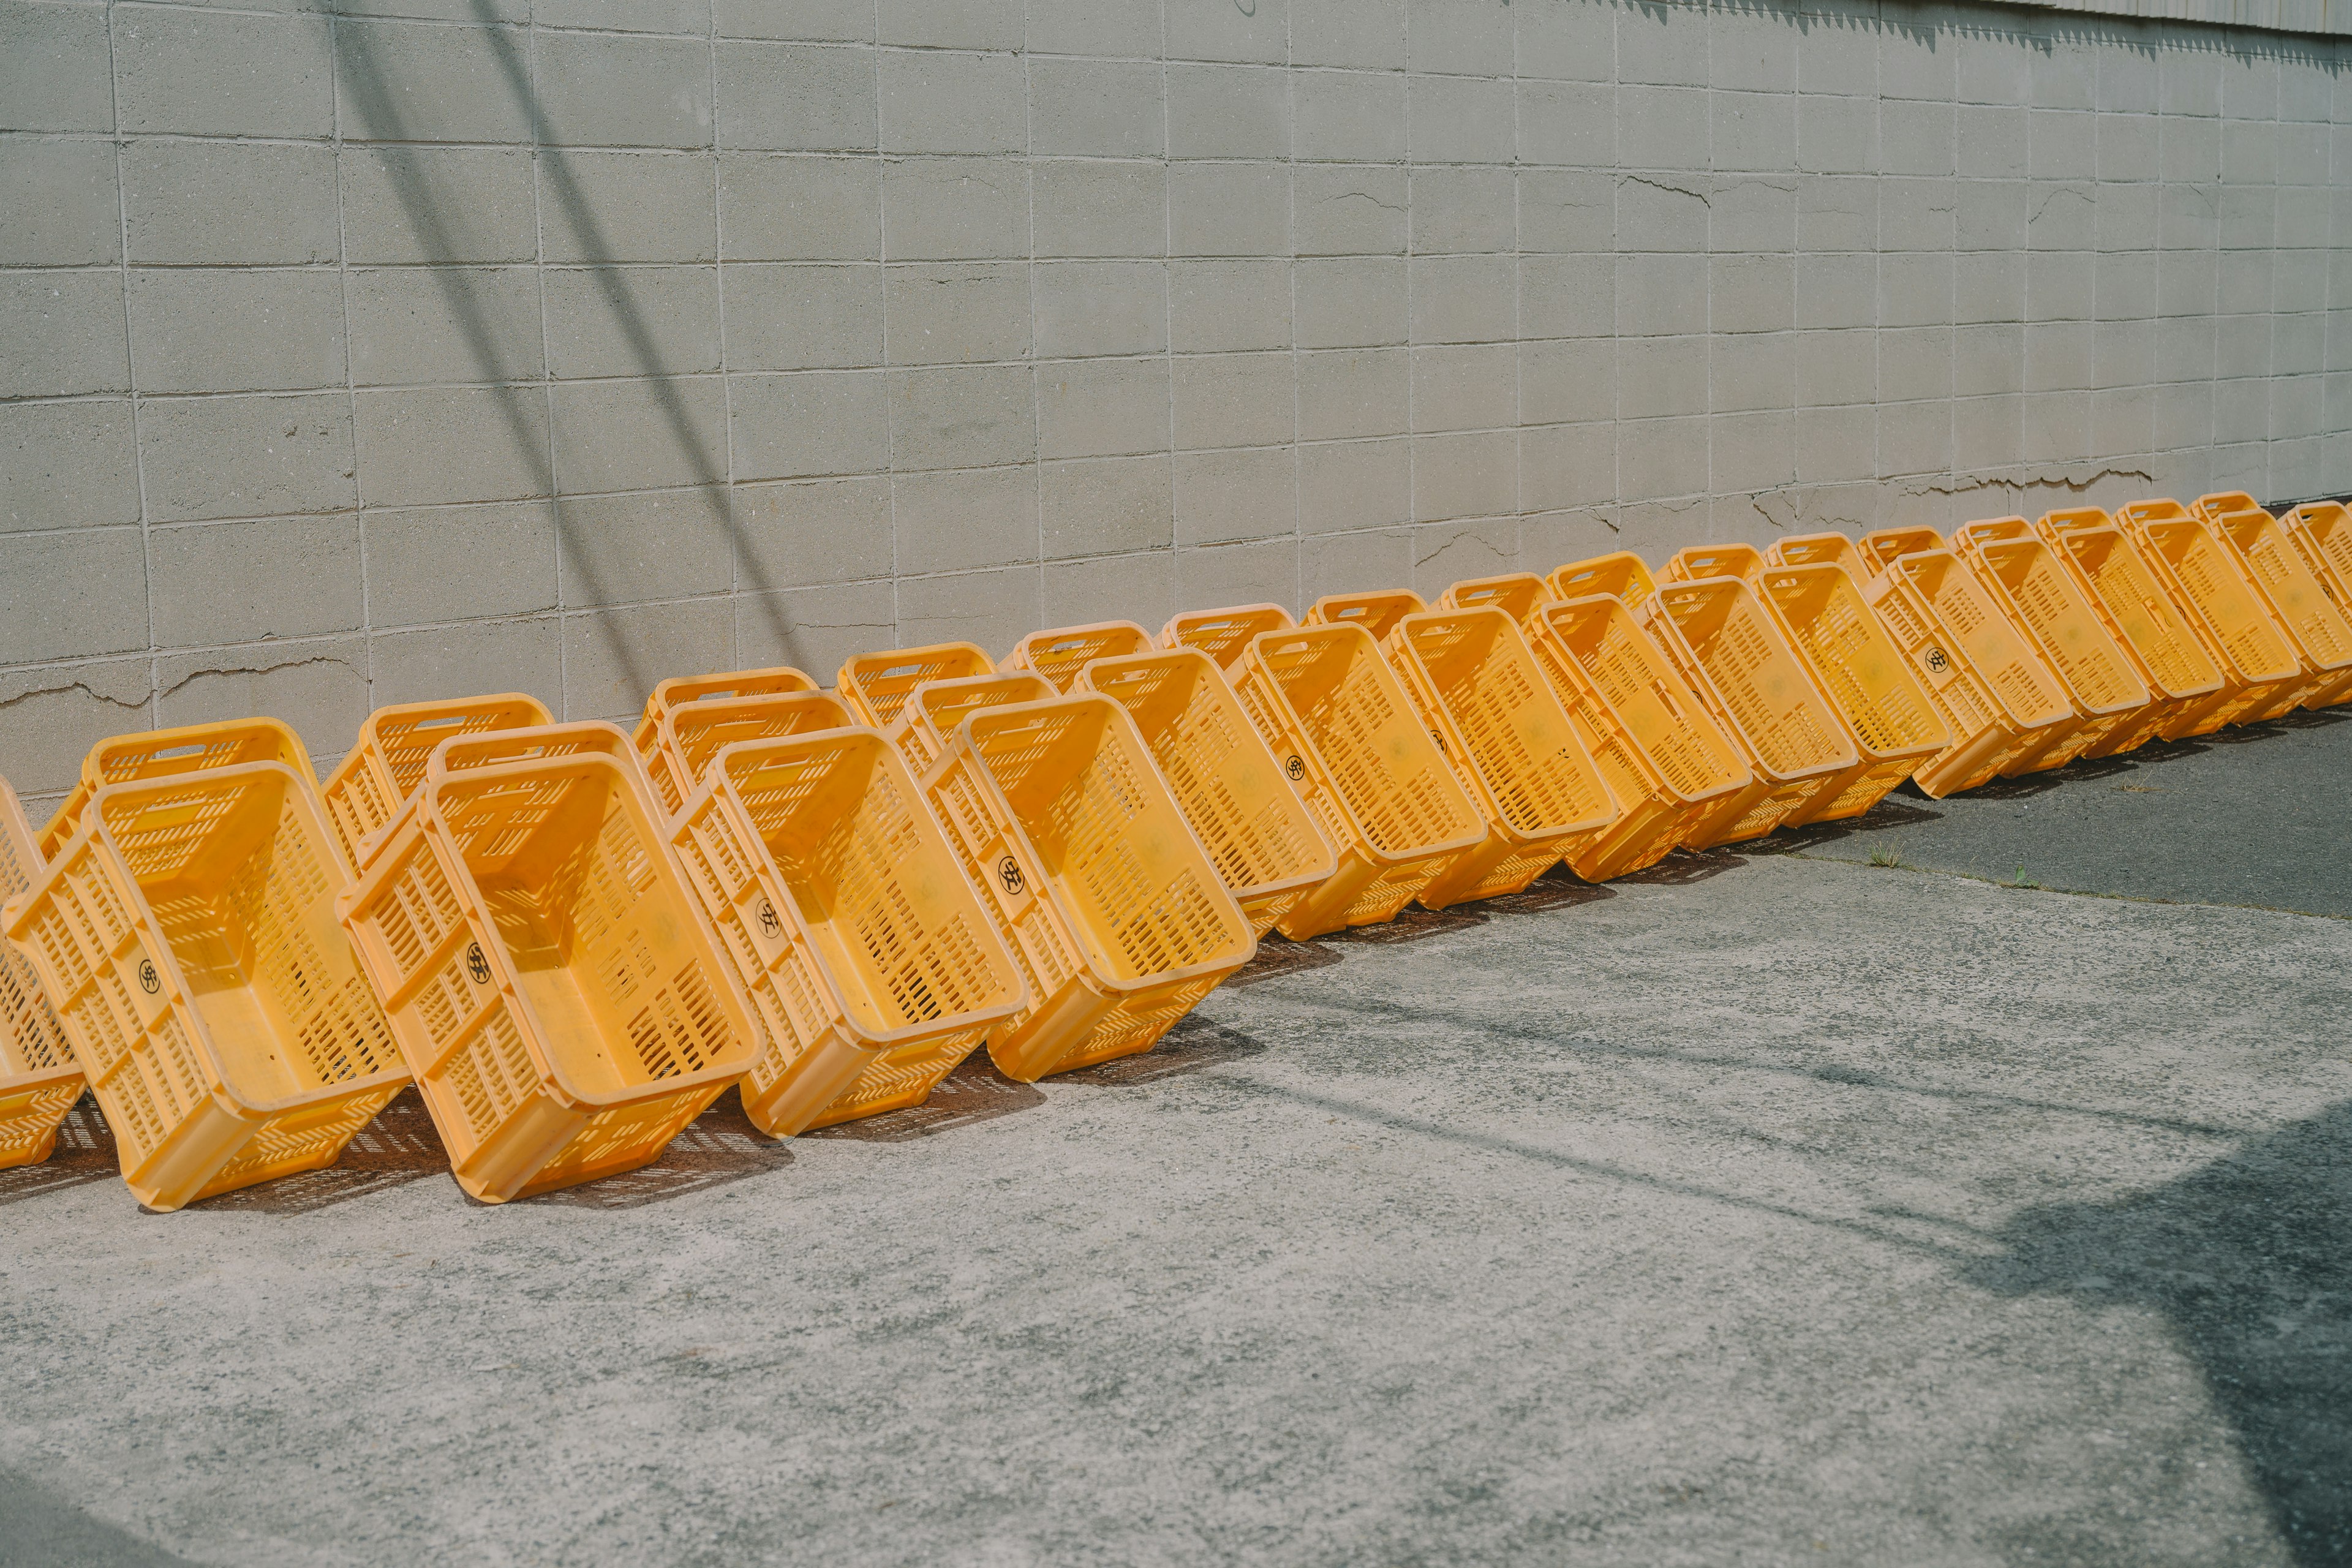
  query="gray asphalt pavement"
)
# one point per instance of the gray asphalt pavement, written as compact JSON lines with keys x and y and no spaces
{"x":1769,"y":1208}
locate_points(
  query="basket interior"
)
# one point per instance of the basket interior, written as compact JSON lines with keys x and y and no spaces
{"x":1507,"y":716}
{"x":2228,"y":605}
{"x":602,"y":946}
{"x":1514,"y":593}
{"x":699,"y":729}
{"x":1224,"y":633}
{"x":880,"y":683}
{"x":1651,"y":700}
{"x":242,"y":884}
{"x":1716,"y":561}
{"x":876,"y":886}
{"x":1770,"y":696}
{"x":405,"y":741}
{"x":1995,"y":648}
{"x":1382,"y":762}
{"x":2323,"y":523}
{"x":1620,"y":575}
{"x":1376,"y":612}
{"x":1058,"y":656}
{"x":2175,"y":661}
{"x":2046,"y":597}
{"x":1109,"y":834}
{"x":2291,"y":587}
{"x":1826,"y":615}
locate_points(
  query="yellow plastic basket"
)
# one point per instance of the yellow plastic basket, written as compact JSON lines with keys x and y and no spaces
{"x":1667,"y":765}
{"x":187,"y":936}
{"x":1224,"y":635}
{"x":874,"y":686}
{"x":1058,"y":656}
{"x":1693,"y":561}
{"x":1516,"y":593}
{"x":1259,"y":833}
{"x":676,"y":745}
{"x":39,"y":1078}
{"x":1619,"y":574}
{"x":1117,"y":918}
{"x":1820,"y":550}
{"x":386,"y":762}
{"x":579,"y":737}
{"x":927,"y":719}
{"x":2031,"y":584}
{"x":1377,"y":611}
{"x":2322,"y":533}
{"x":1503,"y":730}
{"x":166,"y":753}
{"x":2213,"y":507}
{"x":2001,"y":704}
{"x":1881,"y":548}
{"x":2217,"y":598}
{"x":2298,"y":602}
{"x":870,"y":966}
{"x":553,"y":983}
{"x":1888,"y":715}
{"x":1327,"y":703}
{"x":2192,"y":695}
{"x":1722,"y":640}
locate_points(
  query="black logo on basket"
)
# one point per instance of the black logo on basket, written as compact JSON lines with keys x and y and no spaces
{"x":768,"y":921}
{"x":475,"y":964}
{"x":1936,"y":661}
{"x":1296,"y":768}
{"x":149,"y":981}
{"x":1008,"y":871}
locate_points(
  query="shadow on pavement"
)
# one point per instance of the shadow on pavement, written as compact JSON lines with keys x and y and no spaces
{"x":1278,"y":956}
{"x":975,"y":1092}
{"x":2248,"y":1259}
{"x":40,"y":1530}
{"x":1194,"y":1044}
{"x":85,"y":1153}
{"x":1414,"y":924}
{"x":718,"y":1149}
{"x":1685,"y":867}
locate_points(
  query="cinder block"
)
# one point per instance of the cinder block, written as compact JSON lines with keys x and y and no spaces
{"x":1110,"y":407}
{"x":2123,"y":421}
{"x":1464,"y":299}
{"x":1551,"y":539}
{"x":2190,"y":150}
{"x":58,"y":204}
{"x":814,"y":630}
{"x":1756,"y":132}
{"x":2242,"y":347}
{"x":1462,"y":210}
{"x":1350,"y":209}
{"x":1751,"y":293}
{"x":1989,"y":285}
{"x":1835,"y":446}
{"x":1662,"y":128}
{"x":1228,"y":209}
{"x":800,"y":209}
{"x":657,"y":544}
{"x":2057,"y":427}
{"x":1242,"y":573}
{"x":1989,"y":214}
{"x":65,"y":334}
{"x":1474,"y":474}
{"x":1445,"y":554}
{"x":957,"y":313}
{"x":1465,"y":386}
{"x":1139,"y":587}
{"x":1752,"y":451}
{"x":1661,"y":376}
{"x":405,"y":205}
{"x":1915,"y":214}
{"x":933,"y":101}
{"x":1346,"y":484}
{"x":1994,"y":66}
{"x":1837,"y":213}
{"x":1914,"y":362}
{"x":796,"y":98}
{"x":1572,"y":42}
{"x":247,"y":456}
{"x":54,"y":72}
{"x":2063,"y":145}
{"x":692,"y":17}
{"x":637,"y":433}
{"x":1087,"y":307}
{"x":1916,"y":138}
{"x":1915,"y":437}
{"x":2127,"y":147}
{"x":1354,"y":392}
{"x":479,"y":12}
{"x":2185,"y":346}
{"x":1837,"y":135}
{"x":237,"y":330}
{"x":804,"y":317}
{"x":819,"y":530}
{"x":66,"y":465}
{"x":444,"y":324}
{"x":1840,"y":367}
{"x":463,"y":660}
{"x":1566,"y":210}
{"x":400,"y":81}
{"x":1840,"y":52}
{"x":1663,"y":212}
{"x":810,"y":422}
{"x":1244,"y":494}
{"x":994,"y":609}
{"x":1095,"y":109}
{"x":49,"y":719}
{"x":613,"y":659}
{"x":1567,"y":382}
{"x":1348,"y":116}
{"x":1124,"y":28}
{"x":1987,"y":360}
{"x":627,"y":207}
{"x":1987,"y":432}
{"x":1753,"y":51}
{"x":965,"y":519}
{"x":247,"y":582}
{"x":197,"y":203}
{"x":459,"y":562}
{"x":210,"y":73}
{"x":1990,"y":143}
{"x":1353,"y":563}
{"x":1461,"y":120}
{"x":1568,"y":123}
{"x":1216,"y":307}
{"x":966,"y":209}
{"x":2059,"y":285}
{"x":321,"y":688}
{"x":1228,"y":111}
{"x":595,"y":89}
{"x":427,"y":445}
{"x":958,"y":416}
{"x":1218,"y":30}
{"x":1661,"y":295}
{"x":1234,"y":400}
{"x":1567,"y":296}
{"x":2123,"y":354}
{"x":71,"y":594}
{"x":1353,"y":302}
{"x":1755,"y":371}
{"x":819,"y":21}
{"x":1099,"y":505}
{"x":1837,"y":290}
{"x":1915,"y":289}
{"x":1916,"y":59}
{"x":1472,"y":38}
{"x":1664,"y":45}
{"x":2298,"y":345}
{"x":967,"y":24}
{"x":1658,"y":458}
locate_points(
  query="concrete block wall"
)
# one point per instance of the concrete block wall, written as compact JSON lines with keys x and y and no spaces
{"x":364,"y":351}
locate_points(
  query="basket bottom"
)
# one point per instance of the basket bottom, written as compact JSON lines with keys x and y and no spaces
{"x":1753,"y":812}
{"x":1080,"y":1028}
{"x":897,"y":1079}
{"x":1497,"y":868}
{"x":29,"y":1115}
{"x":1361,"y":892}
{"x":1645,"y":833}
{"x":1859,"y":788}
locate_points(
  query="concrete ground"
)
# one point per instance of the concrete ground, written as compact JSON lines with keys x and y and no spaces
{"x":1773,"y":1208}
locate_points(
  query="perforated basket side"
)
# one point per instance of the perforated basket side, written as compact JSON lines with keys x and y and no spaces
{"x":1058,"y":655}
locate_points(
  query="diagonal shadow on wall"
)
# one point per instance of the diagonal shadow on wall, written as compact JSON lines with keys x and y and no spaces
{"x":378,"y":108}
{"x":2250,"y":1257}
